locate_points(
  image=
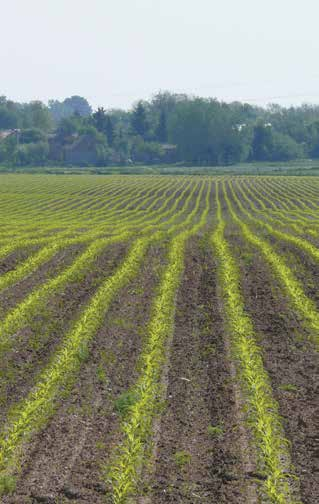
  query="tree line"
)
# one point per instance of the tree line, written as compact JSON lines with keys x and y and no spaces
{"x":168,"y":128}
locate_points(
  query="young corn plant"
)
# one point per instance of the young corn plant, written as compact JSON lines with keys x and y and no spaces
{"x":28,"y":416}
{"x":263,"y":416}
{"x":124,"y":472}
{"x":300,"y":301}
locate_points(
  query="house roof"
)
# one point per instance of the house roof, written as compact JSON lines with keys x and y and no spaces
{"x":169,"y":146}
{"x":6,"y":133}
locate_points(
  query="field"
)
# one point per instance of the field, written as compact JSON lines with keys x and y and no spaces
{"x":159,"y":339}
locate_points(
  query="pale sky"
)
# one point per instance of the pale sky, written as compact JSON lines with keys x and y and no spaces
{"x":114,"y":52}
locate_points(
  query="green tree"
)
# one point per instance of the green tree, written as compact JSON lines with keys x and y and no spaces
{"x":78,"y":105}
{"x":110,"y":130}
{"x":161,"y":130}
{"x":204,"y":133}
{"x":99,"y":119}
{"x":69,"y":107}
{"x":139,"y":121}
{"x":262,"y":144}
{"x":32,"y":154}
{"x":8,"y":118}
{"x":68,"y":127}
{"x":32,"y":135}
{"x":37,"y":115}
{"x":285,"y":148}
{"x":313,"y":139}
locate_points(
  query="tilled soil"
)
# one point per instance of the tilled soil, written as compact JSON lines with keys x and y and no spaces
{"x":65,"y":462}
{"x":194,"y":463}
{"x":11,"y":261}
{"x":304,"y":267}
{"x":11,"y":296}
{"x":34,"y":343}
{"x":291,"y":361}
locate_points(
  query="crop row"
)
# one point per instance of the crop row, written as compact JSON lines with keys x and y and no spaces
{"x":294,"y":289}
{"x":124,"y":473}
{"x":262,"y":409}
{"x":56,"y":379}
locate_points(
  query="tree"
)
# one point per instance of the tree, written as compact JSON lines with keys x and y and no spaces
{"x":7,"y":149}
{"x":313,"y":139}
{"x":78,"y":105}
{"x":262,"y":144}
{"x":32,"y":153}
{"x":139,"y":121}
{"x":37,"y":115}
{"x":122,"y":145}
{"x":69,"y":107}
{"x":32,"y":135}
{"x":103,"y":123}
{"x":146,"y":152}
{"x":161,"y":130}
{"x":285,"y":148}
{"x":110,"y":130}
{"x":68,"y":127}
{"x":99,"y":119}
{"x":204,"y":133}
{"x":8,"y":118}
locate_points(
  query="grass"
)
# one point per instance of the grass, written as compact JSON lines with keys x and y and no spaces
{"x":298,"y":167}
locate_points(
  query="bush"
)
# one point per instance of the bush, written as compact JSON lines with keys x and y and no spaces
{"x":32,"y":153}
{"x":32,"y":135}
{"x":285,"y":148}
{"x":146,"y":152}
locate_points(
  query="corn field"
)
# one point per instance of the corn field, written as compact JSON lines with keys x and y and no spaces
{"x":159,"y":339}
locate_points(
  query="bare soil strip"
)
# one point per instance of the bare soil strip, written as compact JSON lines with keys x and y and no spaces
{"x":11,"y":296}
{"x":305,"y":268}
{"x":198,"y":457}
{"x":10,"y":262}
{"x":64,"y":461}
{"x":35,"y":343}
{"x":292,"y":364}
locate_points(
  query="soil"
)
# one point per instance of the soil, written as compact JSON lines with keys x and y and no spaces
{"x":202,"y":447}
{"x":10,"y":262}
{"x":192,"y":465}
{"x":35,"y":342}
{"x":305,"y":268}
{"x":63,"y":463}
{"x":291,"y":361}
{"x":11,"y":296}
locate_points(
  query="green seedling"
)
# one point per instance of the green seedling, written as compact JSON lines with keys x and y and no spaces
{"x":124,"y":402}
{"x":7,"y":484}
{"x":215,"y":430}
{"x":182,"y":458}
{"x":288,"y":387}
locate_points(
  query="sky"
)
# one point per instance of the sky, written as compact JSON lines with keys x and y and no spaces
{"x":114,"y":52}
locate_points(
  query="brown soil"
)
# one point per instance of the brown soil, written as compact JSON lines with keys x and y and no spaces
{"x":192,"y":465}
{"x":10,"y":262}
{"x":35,"y":342}
{"x":11,"y":296}
{"x":291,"y":361}
{"x":304,"y":267}
{"x":64,"y":462}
